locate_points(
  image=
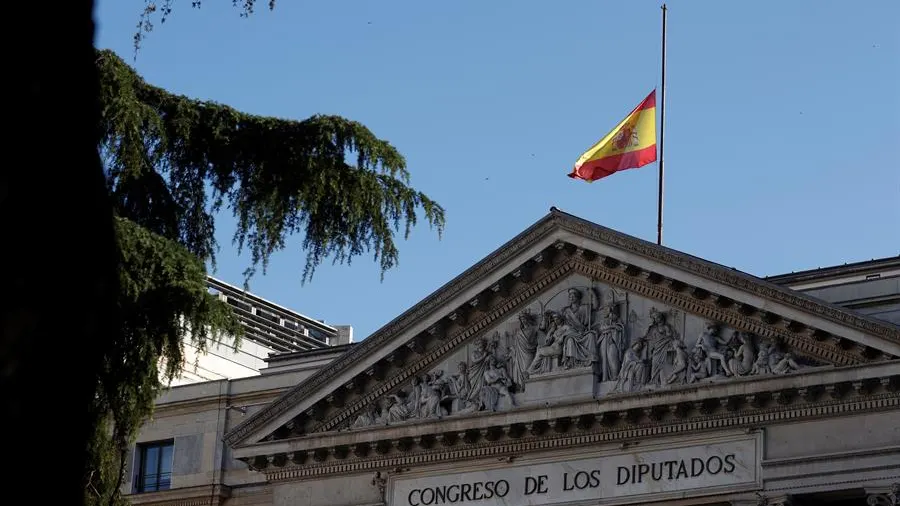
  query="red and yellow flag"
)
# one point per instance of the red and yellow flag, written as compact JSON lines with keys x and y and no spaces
{"x":631,"y":144}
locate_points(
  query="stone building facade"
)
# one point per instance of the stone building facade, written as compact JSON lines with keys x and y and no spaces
{"x":575,"y":365}
{"x":269,"y":328}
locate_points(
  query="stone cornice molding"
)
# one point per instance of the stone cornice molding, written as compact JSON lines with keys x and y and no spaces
{"x":310,"y":390}
{"x":890,"y":496}
{"x":187,"y":496}
{"x":421,"y":310}
{"x":811,"y":394}
{"x":748,"y":386}
{"x":214,"y":401}
{"x":509,"y":449}
{"x":730,"y":277}
{"x":827,"y":351}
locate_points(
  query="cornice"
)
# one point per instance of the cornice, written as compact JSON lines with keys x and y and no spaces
{"x":731,"y":277}
{"x":835,"y":272}
{"x":204,"y":495}
{"x":545,"y":435}
{"x":200,"y":404}
{"x":515,"y":301}
{"x":825,"y":351}
{"x":432,"y":302}
{"x":809,"y":385}
{"x":558,"y":220}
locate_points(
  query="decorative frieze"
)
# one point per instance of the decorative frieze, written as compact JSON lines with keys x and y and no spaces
{"x":640,"y":423}
{"x":591,"y":263}
{"x":629,"y":343}
{"x":890,"y":497}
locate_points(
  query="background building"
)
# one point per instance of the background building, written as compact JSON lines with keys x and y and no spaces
{"x":813,"y":423}
{"x":871,"y":288}
{"x":269,"y":329}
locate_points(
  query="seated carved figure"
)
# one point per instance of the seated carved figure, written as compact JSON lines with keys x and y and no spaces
{"x":579,"y":343}
{"x":697,"y":369}
{"x":496,"y":385}
{"x":785,"y":364}
{"x":709,"y":342}
{"x":680,"y":364}
{"x":742,"y":361}
{"x":634,"y":372}
{"x":761,"y":366}
{"x":547,"y":356}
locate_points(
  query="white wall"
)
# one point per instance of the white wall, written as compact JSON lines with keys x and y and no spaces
{"x":222,"y":361}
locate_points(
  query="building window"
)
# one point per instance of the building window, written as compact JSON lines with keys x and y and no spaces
{"x":155,"y":470}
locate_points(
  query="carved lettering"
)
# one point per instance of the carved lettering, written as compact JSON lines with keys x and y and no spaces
{"x":681,"y":470}
{"x":536,"y":485}
{"x":675,"y":469}
{"x":458,"y":493}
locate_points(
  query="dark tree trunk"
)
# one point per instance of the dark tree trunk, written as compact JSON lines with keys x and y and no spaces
{"x":59,"y":253}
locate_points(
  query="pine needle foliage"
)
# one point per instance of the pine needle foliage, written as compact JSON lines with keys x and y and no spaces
{"x":163,"y":9}
{"x":162,"y":301}
{"x":172,"y":163}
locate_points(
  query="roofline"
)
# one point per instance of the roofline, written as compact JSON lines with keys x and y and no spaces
{"x":290,"y":355}
{"x":556,"y":220}
{"x":310,"y":322}
{"x":835,"y":271}
{"x":397,"y":325}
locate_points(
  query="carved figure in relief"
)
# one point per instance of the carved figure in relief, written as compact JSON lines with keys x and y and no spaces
{"x":415,"y":400}
{"x":547,"y":356}
{"x":398,"y":408}
{"x":708,"y":343}
{"x":634,"y":370}
{"x":433,"y":394}
{"x":460,"y":388}
{"x":697,"y":369}
{"x":611,"y":344}
{"x":741,"y":363}
{"x":580,"y":342}
{"x":785,"y":364}
{"x":680,"y":365}
{"x":489,"y":379}
{"x":477,"y":366}
{"x":523,"y":348}
{"x":761,"y":365}
{"x":659,"y":338}
{"x":496,"y":385}
{"x":368,"y":417}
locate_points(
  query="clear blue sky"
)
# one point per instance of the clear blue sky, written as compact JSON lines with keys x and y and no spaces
{"x":782,"y":122}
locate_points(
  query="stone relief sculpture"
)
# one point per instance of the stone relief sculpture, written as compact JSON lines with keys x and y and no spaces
{"x":580,"y":328}
{"x":611,"y":344}
{"x":709,"y":344}
{"x":741,"y":363}
{"x":634,"y":370}
{"x":548,"y":356}
{"x":660,"y":339}
{"x":580,"y":339}
{"x":523,"y":347}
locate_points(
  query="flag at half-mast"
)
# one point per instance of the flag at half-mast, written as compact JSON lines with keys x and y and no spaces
{"x":631,"y":144}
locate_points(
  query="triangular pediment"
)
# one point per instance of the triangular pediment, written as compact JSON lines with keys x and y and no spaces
{"x":569,"y":310}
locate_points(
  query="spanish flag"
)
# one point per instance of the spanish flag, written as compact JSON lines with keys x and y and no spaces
{"x":631,"y":144}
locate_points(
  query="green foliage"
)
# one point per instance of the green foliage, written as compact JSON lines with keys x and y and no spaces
{"x":171,"y":164}
{"x":164,"y":10}
{"x":163,"y":300}
{"x":174,"y":161}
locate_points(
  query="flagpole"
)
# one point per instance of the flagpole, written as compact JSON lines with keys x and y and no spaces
{"x":662,"y":127}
